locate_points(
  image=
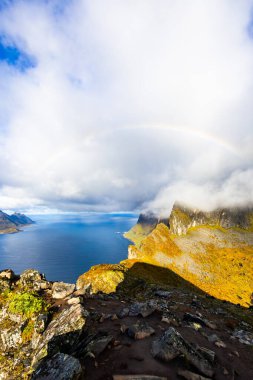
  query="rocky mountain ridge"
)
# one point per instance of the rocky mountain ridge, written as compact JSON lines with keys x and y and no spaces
{"x":213,"y":250}
{"x":182,"y":218}
{"x":12,"y":223}
{"x":154,"y":326}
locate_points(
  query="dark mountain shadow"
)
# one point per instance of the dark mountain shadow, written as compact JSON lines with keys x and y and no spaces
{"x":142,"y":277}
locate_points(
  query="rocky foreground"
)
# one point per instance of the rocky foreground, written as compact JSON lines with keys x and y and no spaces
{"x":154,"y":326}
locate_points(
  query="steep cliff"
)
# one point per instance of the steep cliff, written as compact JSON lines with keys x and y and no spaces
{"x":183,"y":218}
{"x":145,"y":224}
{"x":213,"y":250}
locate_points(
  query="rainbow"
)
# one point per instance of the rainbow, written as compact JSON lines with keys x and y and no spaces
{"x":93,"y":135}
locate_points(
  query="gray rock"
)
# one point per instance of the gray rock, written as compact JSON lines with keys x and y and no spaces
{"x":123,"y":313}
{"x":41,"y":322}
{"x":6,"y":277}
{"x":59,"y":367}
{"x":244,"y":337}
{"x":97,"y":345}
{"x":172,"y":344}
{"x":32,"y":279}
{"x":7,"y":274}
{"x":163,"y":293}
{"x":213,"y":338}
{"x":74,"y":301}
{"x":142,"y":308}
{"x":11,"y":338}
{"x":170,"y":318}
{"x":63,"y":331}
{"x":62,"y":290}
{"x":208,"y":354}
{"x":39,"y":327}
{"x":140,"y":330}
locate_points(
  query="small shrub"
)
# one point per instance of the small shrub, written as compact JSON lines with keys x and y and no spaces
{"x":25,"y":304}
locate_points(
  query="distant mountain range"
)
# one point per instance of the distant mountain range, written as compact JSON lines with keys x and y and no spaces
{"x":12,"y":223}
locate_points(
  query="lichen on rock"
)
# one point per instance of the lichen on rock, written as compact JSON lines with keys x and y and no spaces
{"x":104,"y":278}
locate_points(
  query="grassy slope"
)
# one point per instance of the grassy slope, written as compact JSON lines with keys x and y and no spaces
{"x":137,"y":233}
{"x":130,"y":276}
{"x":219,"y":263}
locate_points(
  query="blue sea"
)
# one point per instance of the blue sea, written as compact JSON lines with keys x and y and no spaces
{"x":65,"y":246}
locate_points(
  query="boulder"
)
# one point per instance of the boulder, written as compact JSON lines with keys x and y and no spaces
{"x":74,"y":301}
{"x":142,"y":308}
{"x":33,"y":280}
{"x":140,"y":330}
{"x":123,"y":313}
{"x":244,"y":337}
{"x":102,"y":278}
{"x":98,"y":344}
{"x":62,"y":332}
{"x":60,"y":366}
{"x":7,"y":274}
{"x":6,"y":277}
{"x":172,"y":344}
{"x":62,"y":290}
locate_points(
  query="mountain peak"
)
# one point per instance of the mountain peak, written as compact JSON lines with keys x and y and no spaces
{"x":10,"y":223}
{"x":183,"y":217}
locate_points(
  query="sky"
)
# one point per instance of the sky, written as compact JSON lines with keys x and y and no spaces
{"x":124,"y":105}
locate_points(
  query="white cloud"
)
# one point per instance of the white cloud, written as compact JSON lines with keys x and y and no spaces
{"x":128,"y":100}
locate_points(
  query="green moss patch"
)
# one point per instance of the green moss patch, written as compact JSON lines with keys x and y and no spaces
{"x":25,"y":304}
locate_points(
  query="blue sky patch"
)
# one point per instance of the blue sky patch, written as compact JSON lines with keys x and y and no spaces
{"x":15,"y":57}
{"x":5,"y":3}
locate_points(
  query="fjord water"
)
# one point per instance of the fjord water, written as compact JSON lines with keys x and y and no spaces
{"x":65,"y":246}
